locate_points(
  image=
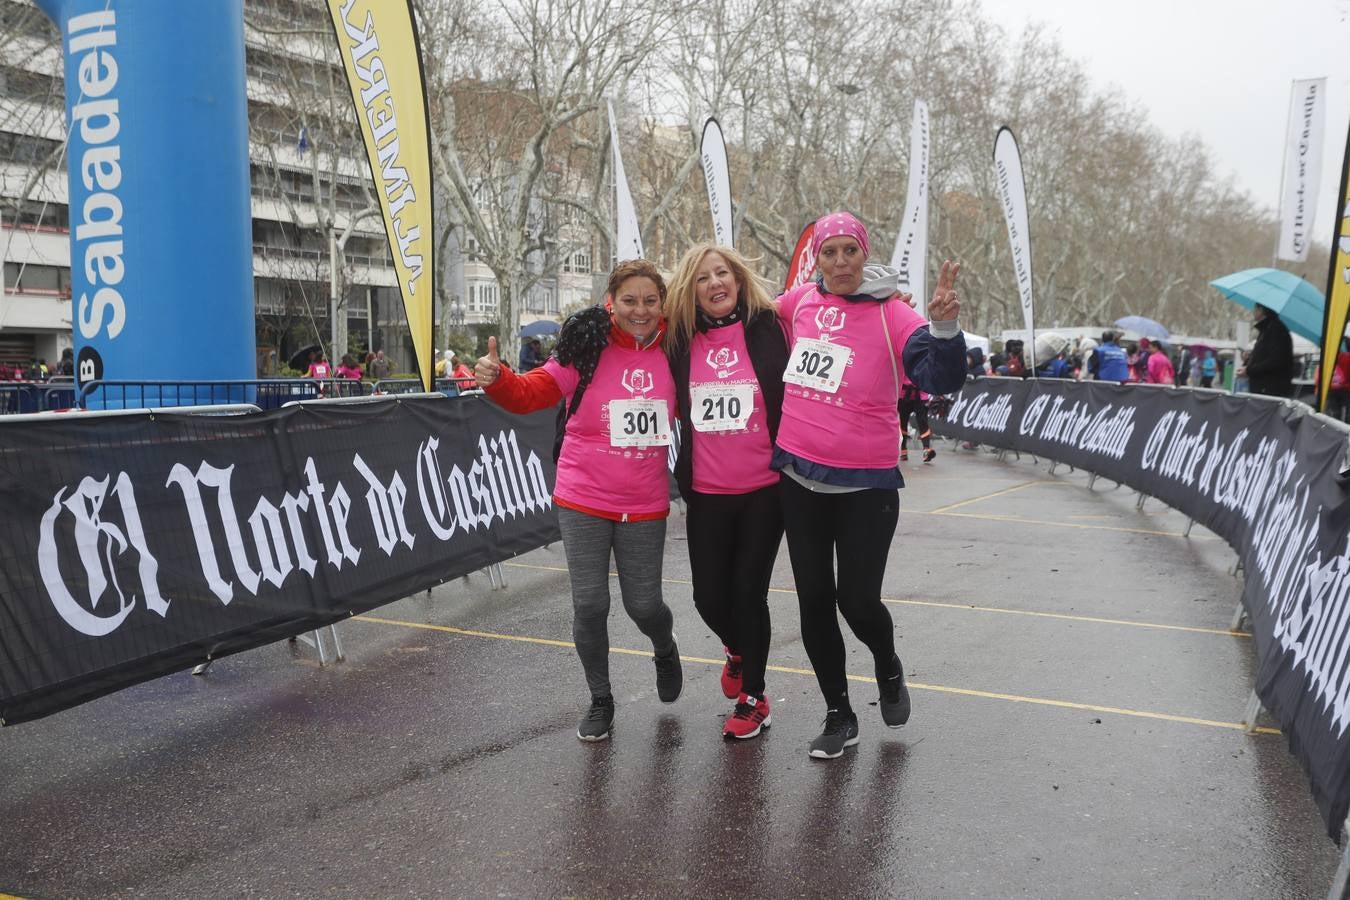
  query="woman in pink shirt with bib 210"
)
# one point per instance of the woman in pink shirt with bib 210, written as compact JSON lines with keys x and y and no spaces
{"x":727,"y":353}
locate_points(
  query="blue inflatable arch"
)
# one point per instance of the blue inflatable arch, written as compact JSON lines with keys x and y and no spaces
{"x":160,"y":223}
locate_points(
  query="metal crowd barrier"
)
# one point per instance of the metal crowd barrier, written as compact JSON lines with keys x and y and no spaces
{"x":25,"y":397}
{"x":368,"y":398}
{"x":222,"y":398}
{"x":314,"y":638}
{"x":220,"y":409}
{"x":266,"y":393}
{"x":22,"y":397}
{"x":450,"y":387}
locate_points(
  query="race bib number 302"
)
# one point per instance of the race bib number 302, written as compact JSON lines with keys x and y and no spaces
{"x":639,"y":423}
{"x":721,"y":407}
{"x":818,"y":365}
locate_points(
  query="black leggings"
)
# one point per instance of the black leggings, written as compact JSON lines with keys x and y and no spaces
{"x":919,"y":410}
{"x":733,"y":542}
{"x":857,"y":527}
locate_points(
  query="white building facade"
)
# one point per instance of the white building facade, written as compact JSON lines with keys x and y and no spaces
{"x":301,"y":203}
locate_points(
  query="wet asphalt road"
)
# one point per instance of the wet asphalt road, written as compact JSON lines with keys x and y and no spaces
{"x":1076,"y":698}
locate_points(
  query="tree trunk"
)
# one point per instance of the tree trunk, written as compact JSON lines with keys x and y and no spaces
{"x":512,"y":286}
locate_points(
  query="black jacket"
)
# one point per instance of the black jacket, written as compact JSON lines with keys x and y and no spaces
{"x":766,"y":342}
{"x":1270,"y":369}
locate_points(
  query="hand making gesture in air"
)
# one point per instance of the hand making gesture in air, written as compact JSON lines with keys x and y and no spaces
{"x":486,"y":370}
{"x":945,"y":307}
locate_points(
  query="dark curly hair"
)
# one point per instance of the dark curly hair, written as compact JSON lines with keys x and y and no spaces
{"x":585,"y":334}
{"x":582,"y":338}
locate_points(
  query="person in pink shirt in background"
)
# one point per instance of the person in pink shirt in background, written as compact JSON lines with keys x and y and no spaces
{"x":914,"y":404}
{"x":838,"y":450}
{"x":320,"y":368}
{"x":349,"y":368}
{"x":1157,"y":367}
{"x":727,"y":353}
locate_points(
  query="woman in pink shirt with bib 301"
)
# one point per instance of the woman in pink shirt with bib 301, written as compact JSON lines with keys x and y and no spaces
{"x":610,"y":370}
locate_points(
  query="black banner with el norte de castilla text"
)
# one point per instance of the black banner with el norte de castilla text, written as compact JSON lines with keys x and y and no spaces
{"x":133,"y":546}
{"x":1267,"y":476}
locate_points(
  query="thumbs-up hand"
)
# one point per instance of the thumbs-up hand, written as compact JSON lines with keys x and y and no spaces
{"x":488,"y":368}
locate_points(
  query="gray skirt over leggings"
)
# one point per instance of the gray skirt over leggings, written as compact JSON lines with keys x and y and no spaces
{"x":638,"y":549}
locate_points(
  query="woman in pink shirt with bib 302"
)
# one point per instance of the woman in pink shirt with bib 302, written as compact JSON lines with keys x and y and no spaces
{"x":610,"y":370}
{"x":853,"y":345}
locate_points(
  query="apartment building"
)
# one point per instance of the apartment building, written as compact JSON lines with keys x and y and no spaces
{"x":304,"y":198}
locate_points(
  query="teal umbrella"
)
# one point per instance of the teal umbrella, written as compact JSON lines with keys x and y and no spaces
{"x":1298,"y":304}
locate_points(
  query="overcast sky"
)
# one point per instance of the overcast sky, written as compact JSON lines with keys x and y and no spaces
{"x":1218,"y":68}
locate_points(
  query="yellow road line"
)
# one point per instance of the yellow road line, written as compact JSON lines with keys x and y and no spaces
{"x":965,"y":692}
{"x":1072,"y":618}
{"x":1016,"y":487}
{"x":467,"y":632}
{"x":1090,"y":707}
{"x":1095,"y":620}
{"x":947,"y":511}
{"x":1023,"y":521}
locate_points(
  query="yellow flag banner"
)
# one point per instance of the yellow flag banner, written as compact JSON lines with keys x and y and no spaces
{"x":1338,"y":288}
{"x":383,"y":60}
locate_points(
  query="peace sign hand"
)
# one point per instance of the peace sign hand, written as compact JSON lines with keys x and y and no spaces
{"x":945,"y":307}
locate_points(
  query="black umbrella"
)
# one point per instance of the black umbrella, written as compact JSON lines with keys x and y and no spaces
{"x":540,"y":328}
{"x":300,"y":359}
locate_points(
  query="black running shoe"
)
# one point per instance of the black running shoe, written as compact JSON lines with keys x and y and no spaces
{"x":894,"y":695}
{"x":669,"y":676}
{"x":598,"y":722}
{"x":841,"y":730}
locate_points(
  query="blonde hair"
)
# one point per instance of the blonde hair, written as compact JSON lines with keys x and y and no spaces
{"x":682,"y":302}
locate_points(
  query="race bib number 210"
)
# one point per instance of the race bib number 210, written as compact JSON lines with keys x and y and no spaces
{"x":721,"y":407}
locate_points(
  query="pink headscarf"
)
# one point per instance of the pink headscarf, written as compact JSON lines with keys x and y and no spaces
{"x":836,"y":224}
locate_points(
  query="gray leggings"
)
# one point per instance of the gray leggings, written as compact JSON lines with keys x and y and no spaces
{"x":638,"y":548}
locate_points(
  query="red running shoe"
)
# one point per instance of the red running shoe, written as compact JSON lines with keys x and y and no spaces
{"x":731,"y":675}
{"x":750,"y":717}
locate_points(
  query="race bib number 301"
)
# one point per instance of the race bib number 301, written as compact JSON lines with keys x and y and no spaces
{"x":818,"y":365}
{"x":639,"y":423}
{"x":721,"y":407}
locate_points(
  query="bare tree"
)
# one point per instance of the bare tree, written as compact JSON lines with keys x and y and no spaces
{"x":32,"y":104}
{"x":500,"y":123}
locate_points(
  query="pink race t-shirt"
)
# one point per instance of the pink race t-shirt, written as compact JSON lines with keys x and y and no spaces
{"x":620,"y":469}
{"x":841,"y":344}
{"x":732,"y":450}
{"x":1160,"y":369}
